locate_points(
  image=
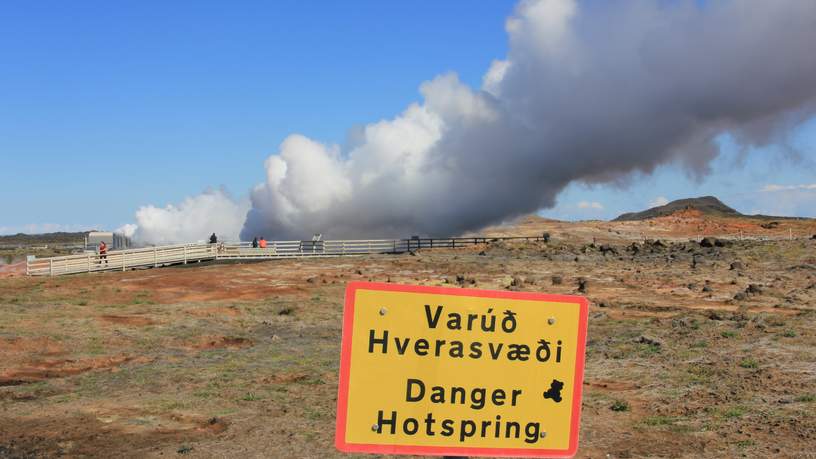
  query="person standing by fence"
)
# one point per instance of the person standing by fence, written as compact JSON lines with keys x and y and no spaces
{"x":262,"y":243}
{"x":103,"y":252}
{"x":213,"y":239}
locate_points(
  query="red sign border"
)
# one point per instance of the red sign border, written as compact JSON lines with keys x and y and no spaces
{"x":345,"y":363}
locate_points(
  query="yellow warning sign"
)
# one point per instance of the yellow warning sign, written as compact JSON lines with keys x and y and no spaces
{"x":432,"y":370}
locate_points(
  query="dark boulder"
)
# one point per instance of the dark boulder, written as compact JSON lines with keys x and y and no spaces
{"x":715,"y":315}
{"x":606,"y":248}
{"x":655,"y":244}
{"x":753,"y":289}
{"x":583,"y":284}
{"x":643,"y":339}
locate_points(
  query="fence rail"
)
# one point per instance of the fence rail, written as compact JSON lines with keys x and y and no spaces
{"x":122,"y":260}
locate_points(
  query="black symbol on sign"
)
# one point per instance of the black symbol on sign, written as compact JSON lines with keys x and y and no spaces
{"x":554,"y":392}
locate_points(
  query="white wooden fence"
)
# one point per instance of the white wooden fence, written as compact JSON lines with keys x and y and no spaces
{"x":122,"y":260}
{"x":285,"y":249}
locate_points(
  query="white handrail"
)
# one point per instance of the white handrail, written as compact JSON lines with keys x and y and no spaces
{"x":185,"y":253}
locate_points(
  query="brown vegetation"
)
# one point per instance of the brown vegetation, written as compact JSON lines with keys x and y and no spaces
{"x":692,"y":351}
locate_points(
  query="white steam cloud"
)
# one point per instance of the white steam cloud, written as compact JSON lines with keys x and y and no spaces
{"x":192,"y":220}
{"x":588,"y":92}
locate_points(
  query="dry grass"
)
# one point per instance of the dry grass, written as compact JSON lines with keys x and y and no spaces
{"x":241,"y":360}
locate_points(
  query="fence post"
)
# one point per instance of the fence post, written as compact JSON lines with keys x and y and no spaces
{"x":155,"y":257}
{"x":453,"y":243}
{"x":124,"y":260}
{"x":185,"y":254}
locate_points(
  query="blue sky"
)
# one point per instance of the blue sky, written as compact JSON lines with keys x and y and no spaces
{"x":107,"y":107}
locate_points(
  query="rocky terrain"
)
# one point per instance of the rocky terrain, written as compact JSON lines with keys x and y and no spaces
{"x":702,"y":343}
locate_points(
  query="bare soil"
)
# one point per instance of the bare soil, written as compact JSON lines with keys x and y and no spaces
{"x":688,"y":355}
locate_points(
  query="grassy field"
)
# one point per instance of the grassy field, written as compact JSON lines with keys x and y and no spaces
{"x":684,"y":357}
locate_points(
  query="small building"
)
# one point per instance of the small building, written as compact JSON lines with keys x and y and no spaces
{"x":115,"y":241}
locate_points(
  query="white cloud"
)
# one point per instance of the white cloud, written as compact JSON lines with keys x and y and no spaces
{"x":562,"y":106}
{"x":772,"y":188}
{"x":594,"y":205}
{"x":192,"y":220}
{"x":128,"y":229}
{"x":659,"y":201}
{"x":491,"y":82}
{"x":542,"y":26}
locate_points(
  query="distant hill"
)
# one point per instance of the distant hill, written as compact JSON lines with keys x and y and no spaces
{"x":708,"y":205}
{"x":46,"y":238}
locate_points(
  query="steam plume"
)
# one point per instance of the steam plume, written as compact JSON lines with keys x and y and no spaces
{"x":588,"y":92}
{"x":190,"y":221}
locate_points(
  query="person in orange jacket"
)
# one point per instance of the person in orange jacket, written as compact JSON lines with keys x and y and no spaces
{"x":262,"y":242}
{"x":103,"y":252}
